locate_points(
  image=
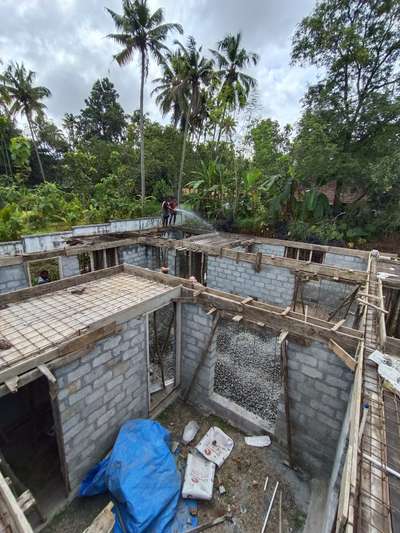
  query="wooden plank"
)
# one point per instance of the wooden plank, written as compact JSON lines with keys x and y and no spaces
{"x":347,"y":359}
{"x":338,"y":325}
{"x":237,"y":318}
{"x":19,"y":521}
{"x":12,"y":384}
{"x":369,"y":304}
{"x":43,"y":369}
{"x":104,"y":521}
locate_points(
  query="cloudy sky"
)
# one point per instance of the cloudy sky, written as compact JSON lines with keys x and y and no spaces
{"x":64,"y":42}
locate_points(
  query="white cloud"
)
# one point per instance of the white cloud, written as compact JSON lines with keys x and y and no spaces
{"x":64,"y":42}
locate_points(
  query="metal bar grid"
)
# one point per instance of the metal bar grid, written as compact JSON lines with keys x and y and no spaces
{"x":44,"y":322}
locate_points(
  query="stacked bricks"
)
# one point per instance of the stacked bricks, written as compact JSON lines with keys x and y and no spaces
{"x":345,"y":261}
{"x":97,"y":393}
{"x":13,"y":278}
{"x":196,"y":330}
{"x":273,"y":285}
{"x":319,"y":388}
{"x":70,"y":266}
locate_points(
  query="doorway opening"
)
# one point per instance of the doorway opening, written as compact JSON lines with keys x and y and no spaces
{"x":163,"y":353}
{"x":29,"y":448}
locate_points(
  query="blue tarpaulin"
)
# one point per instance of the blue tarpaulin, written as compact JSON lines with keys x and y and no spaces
{"x":141,"y":475}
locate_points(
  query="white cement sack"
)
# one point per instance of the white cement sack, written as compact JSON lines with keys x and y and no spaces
{"x":190,"y":431}
{"x":216,"y":446}
{"x":199,"y":478}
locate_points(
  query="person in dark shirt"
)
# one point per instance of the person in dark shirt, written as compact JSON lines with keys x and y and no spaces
{"x":43,"y":277}
{"x":172,"y":211}
{"x":165,"y":207}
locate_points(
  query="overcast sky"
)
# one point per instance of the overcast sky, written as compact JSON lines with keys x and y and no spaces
{"x":64,"y":42}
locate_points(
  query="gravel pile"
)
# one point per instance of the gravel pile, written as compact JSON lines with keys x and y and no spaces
{"x":248,"y":369}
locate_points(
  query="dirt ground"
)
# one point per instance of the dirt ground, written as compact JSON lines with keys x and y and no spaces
{"x":243,"y":475}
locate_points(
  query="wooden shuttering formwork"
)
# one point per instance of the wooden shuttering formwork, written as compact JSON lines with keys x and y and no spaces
{"x":258,"y":259}
{"x":367,"y":499}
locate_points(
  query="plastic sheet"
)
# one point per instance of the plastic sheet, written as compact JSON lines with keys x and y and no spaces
{"x":141,"y":475}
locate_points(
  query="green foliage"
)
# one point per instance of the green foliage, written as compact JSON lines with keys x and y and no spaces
{"x":20,"y":151}
{"x":103,"y":117}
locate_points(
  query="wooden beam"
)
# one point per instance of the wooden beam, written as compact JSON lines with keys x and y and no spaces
{"x":369,"y":304}
{"x":19,"y":522}
{"x":43,"y":369}
{"x":256,"y":311}
{"x":338,"y":325}
{"x":331,"y":272}
{"x":347,"y":359}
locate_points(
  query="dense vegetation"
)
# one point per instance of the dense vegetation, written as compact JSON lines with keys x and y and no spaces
{"x":239,"y":171}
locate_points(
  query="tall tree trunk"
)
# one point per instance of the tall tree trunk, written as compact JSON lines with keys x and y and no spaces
{"x":221,"y":126}
{"x":142,"y":175}
{"x":35,"y":147}
{"x":185,"y":134}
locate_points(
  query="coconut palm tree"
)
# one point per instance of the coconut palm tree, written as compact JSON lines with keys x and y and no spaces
{"x":16,"y":87}
{"x":232,"y":59}
{"x":145,"y":33}
{"x":180,"y":89}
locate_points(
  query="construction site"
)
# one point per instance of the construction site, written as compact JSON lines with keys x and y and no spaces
{"x":295,"y":345}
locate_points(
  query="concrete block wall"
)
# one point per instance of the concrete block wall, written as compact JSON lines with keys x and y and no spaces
{"x":97,"y":393}
{"x":13,"y":278}
{"x":319,"y":389}
{"x":171,"y":262}
{"x":134,"y":255}
{"x":345,"y":261}
{"x":269,"y":249}
{"x":70,"y":266}
{"x":329,"y":294}
{"x":272,"y":284}
{"x":196,"y":330}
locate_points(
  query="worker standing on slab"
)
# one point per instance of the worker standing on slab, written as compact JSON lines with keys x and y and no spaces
{"x":172,"y":211}
{"x":165,"y":206}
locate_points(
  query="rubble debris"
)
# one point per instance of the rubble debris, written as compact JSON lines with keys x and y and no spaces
{"x":199,"y":478}
{"x":221,"y":490}
{"x":5,"y":344}
{"x":77,"y":290}
{"x":258,"y":441}
{"x":190,"y":431}
{"x":215,"y":446}
{"x":388,"y":368}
